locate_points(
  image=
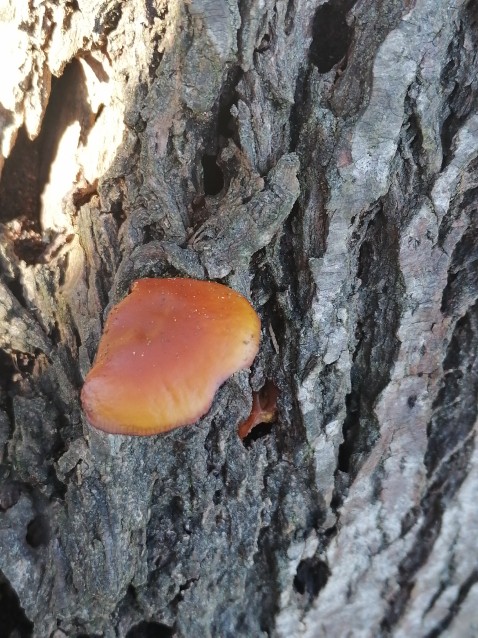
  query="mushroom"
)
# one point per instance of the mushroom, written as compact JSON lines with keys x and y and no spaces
{"x":264,"y":409}
{"x":165,"y":350}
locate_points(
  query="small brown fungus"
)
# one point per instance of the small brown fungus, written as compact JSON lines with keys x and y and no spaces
{"x":264,"y":409}
{"x":166,"y":349}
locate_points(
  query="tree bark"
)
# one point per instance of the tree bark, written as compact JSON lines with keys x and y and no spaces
{"x":321,"y":159}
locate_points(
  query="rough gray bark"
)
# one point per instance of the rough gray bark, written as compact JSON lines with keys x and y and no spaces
{"x":321,"y":158}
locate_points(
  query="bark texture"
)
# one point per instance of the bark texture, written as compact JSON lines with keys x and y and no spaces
{"x":322,"y":159}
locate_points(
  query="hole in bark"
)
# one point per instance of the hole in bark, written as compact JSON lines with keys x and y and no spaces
{"x":213,"y":178}
{"x":12,"y":616}
{"x":117,"y":211}
{"x":311,"y":576}
{"x":150,"y":629}
{"x":19,"y":188}
{"x":264,"y":44}
{"x":332,"y":35}
{"x":27,"y":188}
{"x":67,"y":123}
{"x":259,"y":432}
{"x":38,"y":531}
{"x":153,"y":232}
{"x":350,"y":431}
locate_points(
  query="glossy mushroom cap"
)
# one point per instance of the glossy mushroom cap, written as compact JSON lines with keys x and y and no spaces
{"x":165,"y":350}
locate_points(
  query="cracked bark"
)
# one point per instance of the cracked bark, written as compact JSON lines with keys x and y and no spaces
{"x":321,"y":158}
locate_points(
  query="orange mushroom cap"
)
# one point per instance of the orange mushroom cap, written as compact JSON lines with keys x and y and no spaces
{"x":165,"y":350}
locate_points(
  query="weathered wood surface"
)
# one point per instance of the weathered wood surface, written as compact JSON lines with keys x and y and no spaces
{"x":321,"y":158}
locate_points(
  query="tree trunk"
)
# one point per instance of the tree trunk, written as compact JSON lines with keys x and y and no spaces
{"x":321,"y":159}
